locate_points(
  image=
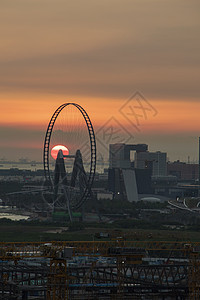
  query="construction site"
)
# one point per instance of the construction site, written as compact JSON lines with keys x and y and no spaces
{"x":99,"y":270}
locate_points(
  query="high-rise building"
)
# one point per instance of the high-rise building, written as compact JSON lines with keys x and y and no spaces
{"x":121,"y":177}
{"x":119,"y":154}
{"x":157,"y":161}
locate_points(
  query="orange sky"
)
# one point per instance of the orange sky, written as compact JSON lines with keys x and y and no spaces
{"x":32,"y":112}
{"x":26,"y":125}
{"x":99,"y":54}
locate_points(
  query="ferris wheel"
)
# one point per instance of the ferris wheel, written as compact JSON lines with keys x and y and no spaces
{"x":69,"y":158}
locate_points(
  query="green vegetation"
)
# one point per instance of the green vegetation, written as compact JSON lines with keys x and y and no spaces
{"x":26,"y":231}
{"x":135,"y":221}
{"x":76,"y":226}
{"x":60,"y":216}
{"x":107,"y":206}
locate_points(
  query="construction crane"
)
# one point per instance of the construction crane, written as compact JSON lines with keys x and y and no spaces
{"x":58,"y":280}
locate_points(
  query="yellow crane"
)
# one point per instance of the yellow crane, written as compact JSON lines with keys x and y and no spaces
{"x":123,"y":251}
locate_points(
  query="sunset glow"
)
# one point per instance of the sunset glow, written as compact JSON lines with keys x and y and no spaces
{"x":55,"y":149}
{"x":107,"y":58}
{"x":172,"y":115}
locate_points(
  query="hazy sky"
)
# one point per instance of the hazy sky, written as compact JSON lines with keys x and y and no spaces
{"x":99,"y":54}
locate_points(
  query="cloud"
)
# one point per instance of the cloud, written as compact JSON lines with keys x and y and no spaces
{"x":102,"y":49}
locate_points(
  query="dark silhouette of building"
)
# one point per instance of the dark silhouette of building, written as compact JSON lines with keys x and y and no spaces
{"x":123,"y":179}
{"x":183,"y":171}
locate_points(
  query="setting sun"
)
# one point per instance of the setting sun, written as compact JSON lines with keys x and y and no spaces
{"x":55,"y":149}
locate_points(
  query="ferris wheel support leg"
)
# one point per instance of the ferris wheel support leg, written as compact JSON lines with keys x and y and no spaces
{"x":68,"y":204}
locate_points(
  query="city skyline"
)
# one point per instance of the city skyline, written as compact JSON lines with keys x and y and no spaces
{"x":101,"y":55}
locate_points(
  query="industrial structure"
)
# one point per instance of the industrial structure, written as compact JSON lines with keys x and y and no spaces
{"x":99,"y":270}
